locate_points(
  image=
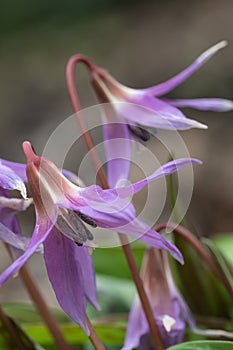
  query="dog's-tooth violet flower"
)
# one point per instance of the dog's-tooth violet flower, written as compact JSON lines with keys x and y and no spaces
{"x":13,"y":177}
{"x":170,"y":310}
{"x":63,"y":209}
{"x":70,"y":270}
{"x":9,"y":206}
{"x":128,"y":111}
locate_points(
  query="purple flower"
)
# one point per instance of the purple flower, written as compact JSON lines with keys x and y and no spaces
{"x":62,"y":211}
{"x":170,"y":310}
{"x":9,"y":227}
{"x":128,"y":111}
{"x":75,"y":282}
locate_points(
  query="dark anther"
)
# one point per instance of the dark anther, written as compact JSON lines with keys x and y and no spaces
{"x":86,"y":219}
{"x":79,"y":244}
{"x":71,"y":224}
{"x":141,"y":133}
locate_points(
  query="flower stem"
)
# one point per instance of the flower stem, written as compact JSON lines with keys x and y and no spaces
{"x":96,"y":342}
{"x":42,"y":307}
{"x":103,"y":180}
{"x":200,"y":249}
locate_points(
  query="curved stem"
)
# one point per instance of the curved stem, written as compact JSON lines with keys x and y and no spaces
{"x":42,"y":307}
{"x":103,"y":180}
{"x":70,"y":70}
{"x":200,"y":249}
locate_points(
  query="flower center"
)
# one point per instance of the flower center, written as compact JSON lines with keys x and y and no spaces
{"x":141,"y":133}
{"x":70,"y":223}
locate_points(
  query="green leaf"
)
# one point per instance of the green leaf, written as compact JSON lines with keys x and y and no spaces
{"x":110,"y":332}
{"x":118,"y":266}
{"x":115,"y":294}
{"x":27,"y":313}
{"x":204,"y":345}
{"x":110,"y":328}
{"x":195,"y":278}
{"x":224,"y":264}
{"x":13,"y":337}
{"x":224,"y":242}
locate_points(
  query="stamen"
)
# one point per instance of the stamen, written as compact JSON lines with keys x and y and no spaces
{"x":86,"y":219}
{"x":79,"y":244}
{"x":143,"y":134}
{"x":70,"y":224}
{"x":67,"y":230}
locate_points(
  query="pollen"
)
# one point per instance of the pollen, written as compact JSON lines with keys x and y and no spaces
{"x":168,"y":322}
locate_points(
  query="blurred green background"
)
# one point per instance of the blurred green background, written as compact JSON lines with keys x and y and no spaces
{"x":141,"y":43}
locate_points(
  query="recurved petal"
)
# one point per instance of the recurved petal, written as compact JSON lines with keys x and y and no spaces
{"x":9,"y":180}
{"x":170,"y":84}
{"x":158,"y":105}
{"x":209,"y":104}
{"x":95,"y":193}
{"x":109,"y":200}
{"x":20,"y":170}
{"x":121,"y":217}
{"x":147,"y":111}
{"x":142,"y":231}
{"x":66,"y":276}
{"x":15,"y":240}
{"x":118,"y":145}
{"x":17,"y":168}
{"x":41,"y":231}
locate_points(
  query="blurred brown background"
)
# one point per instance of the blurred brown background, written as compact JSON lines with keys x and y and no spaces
{"x":141,"y":43}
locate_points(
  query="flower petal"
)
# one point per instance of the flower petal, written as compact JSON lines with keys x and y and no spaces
{"x":211,"y":104}
{"x":7,"y":215}
{"x":65,"y":272}
{"x":118,"y":144}
{"x":136,"y":327}
{"x":170,"y":84}
{"x":120,"y":216}
{"x":18,"y":168}
{"x":82,"y":257}
{"x":105,"y":200}
{"x":158,"y":105}
{"x":15,"y":240}
{"x":9,"y":180}
{"x":95,"y":193}
{"x":144,"y":111}
{"x":72,"y":177}
{"x":41,"y":231}
{"x":164,"y":170}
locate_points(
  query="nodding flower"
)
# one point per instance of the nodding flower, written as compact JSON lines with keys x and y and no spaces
{"x":169,"y":308}
{"x":128,"y":112}
{"x":65,"y":216}
{"x":10,"y":206}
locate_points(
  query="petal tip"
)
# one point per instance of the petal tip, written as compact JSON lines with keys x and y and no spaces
{"x":228,"y":105}
{"x":22,"y":188}
{"x":29,"y":151}
{"x":196,"y":161}
{"x":212,"y":50}
{"x":196,"y":124}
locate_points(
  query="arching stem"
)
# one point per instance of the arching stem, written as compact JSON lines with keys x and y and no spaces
{"x":103,"y":180}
